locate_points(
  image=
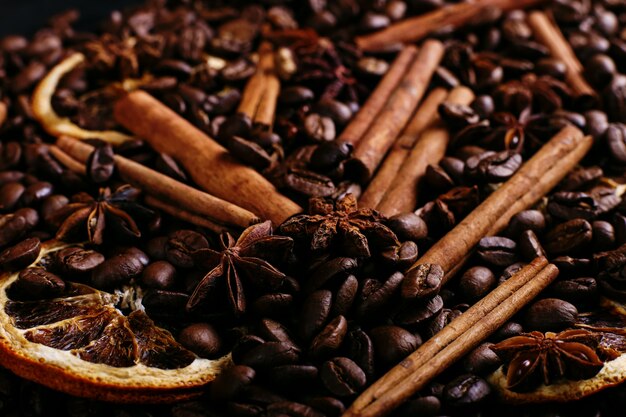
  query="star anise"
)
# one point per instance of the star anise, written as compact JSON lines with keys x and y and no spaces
{"x":542,"y":94}
{"x":534,"y":358}
{"x":342,"y":224}
{"x":241,"y":268}
{"x":94,"y":214}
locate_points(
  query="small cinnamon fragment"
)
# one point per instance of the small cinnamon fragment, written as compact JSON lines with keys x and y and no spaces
{"x":208,"y":163}
{"x":548,"y":33}
{"x":361,"y":122}
{"x":184,"y":215}
{"x":67,"y":161}
{"x":164,"y":188}
{"x":424,"y":115}
{"x":401,"y":196}
{"x":373,"y":146}
{"x":454,"y":341}
{"x":454,"y":16}
{"x":3,"y":112}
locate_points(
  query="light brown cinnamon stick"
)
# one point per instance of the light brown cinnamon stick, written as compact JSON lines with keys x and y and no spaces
{"x":184,"y":215}
{"x":416,"y":28}
{"x":208,"y":163}
{"x":379,"y":97}
{"x":164,"y":188}
{"x":255,"y":87}
{"x":455,"y":340}
{"x":425,"y":115}
{"x":456,"y":244}
{"x":548,"y":33}
{"x":401,"y":196}
{"x":373,"y":146}
{"x":67,"y":161}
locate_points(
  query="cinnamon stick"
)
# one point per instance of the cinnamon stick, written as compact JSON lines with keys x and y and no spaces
{"x":184,"y":215}
{"x":164,"y":188}
{"x":454,"y":341}
{"x":425,"y":115}
{"x":208,"y":163}
{"x":67,"y":161}
{"x":454,"y":16}
{"x":379,"y":97}
{"x":401,"y":196}
{"x":255,"y":88}
{"x":373,"y":146}
{"x":548,"y":33}
{"x":456,"y":244}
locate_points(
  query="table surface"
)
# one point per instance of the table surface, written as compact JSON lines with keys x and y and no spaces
{"x":26,"y":16}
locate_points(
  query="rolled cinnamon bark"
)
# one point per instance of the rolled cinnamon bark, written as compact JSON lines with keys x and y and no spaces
{"x":401,"y":196}
{"x":379,"y":97}
{"x":425,"y":115}
{"x":372,"y":148}
{"x":255,"y":87}
{"x":164,"y":188}
{"x":206,"y":161}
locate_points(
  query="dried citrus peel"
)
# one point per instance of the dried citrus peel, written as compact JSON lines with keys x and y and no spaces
{"x":57,"y":125}
{"x":62,"y":370}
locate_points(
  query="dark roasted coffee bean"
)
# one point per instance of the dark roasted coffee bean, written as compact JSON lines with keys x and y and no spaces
{"x":393,"y":343}
{"x":290,"y":409}
{"x":230,"y":382}
{"x":319,"y":128}
{"x":20,"y":255}
{"x":330,"y":406}
{"x":330,"y":338}
{"x":10,"y":194}
{"x":202,"y":339}
{"x":577,"y":290}
{"x":572,"y":266}
{"x":511,"y":270}
{"x":373,"y":21}
{"x":498,"y":251}
{"x":441,"y":320}
{"x":314,"y":313}
{"x":476,"y":282}
{"x":273,"y":331}
{"x":427,"y":406}
{"x":408,"y":226}
{"x":101,"y":164}
{"x":115,"y":271}
{"x":483,"y":105}
{"x":77,"y":261}
{"x":599,"y":70}
{"x":135,"y":252}
{"x":35,"y":193}
{"x":603,"y":235}
{"x":615,"y":137}
{"x":482,"y":360}
{"x":328,"y":155}
{"x":236,"y":409}
{"x":552,"y":67}
{"x":568,"y":205}
{"x":243,"y":345}
{"x":526,"y":220}
{"x":466,"y":390}
{"x":270,"y":354}
{"x":28,"y":76}
{"x":581,"y":178}
{"x":372,"y":67}
{"x":51,"y":205}
{"x":550,"y":314}
{"x":422,"y":281}
{"x":438,"y":178}
{"x":344,"y":296}
{"x":493,"y":167}
{"x":530,"y":246}
{"x":273,"y":305}
{"x":361,"y":350}
{"x":294,"y":95}
{"x":613,"y":97}
{"x":509,"y":329}
{"x":418,"y":311}
{"x":330,"y":270}
{"x":568,"y":237}
{"x":180,"y":246}
{"x":342,"y":377}
{"x":156,"y":247}
{"x":375,"y":296}
{"x":293,"y":377}
{"x":160,"y":275}
{"x":236,"y":125}
{"x":336,"y":110}
{"x":596,"y":124}
{"x":400,"y":257}
{"x":37,"y":283}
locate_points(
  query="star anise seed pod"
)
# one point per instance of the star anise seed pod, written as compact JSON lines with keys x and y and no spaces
{"x":238,"y":268}
{"x":533,"y":358}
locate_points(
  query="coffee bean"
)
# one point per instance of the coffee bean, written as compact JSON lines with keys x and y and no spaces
{"x":51,"y":205}
{"x":418,"y":311}
{"x":314,"y":313}
{"x":375,"y":296}
{"x":230,"y":382}
{"x":202,"y":339}
{"x":438,"y":178}
{"x":336,"y":110}
{"x":329,"y":271}
{"x":180,"y":246}
{"x":243,"y":345}
{"x":20,"y":255}
{"x":493,"y":167}
{"x":400,"y":257}
{"x":269,"y":355}
{"x":344,"y":296}
{"x":568,"y":205}
{"x":319,"y":128}
{"x":328,"y":155}
{"x":599,"y":70}
{"x":603,"y":235}
{"x":596,"y":124}
{"x":101,"y":164}
{"x":530,"y":246}
{"x":36,"y":283}
{"x":553,"y":67}
{"x":422,"y":281}
{"x":156,"y":247}
{"x":342,"y":377}
{"x":271,"y":330}
{"x":526,"y":220}
{"x":292,"y":378}
{"x":466,"y":390}
{"x":568,"y":237}
{"x":330,"y":406}
{"x":294,"y":95}
{"x":408,"y":226}
{"x":275,"y":305}
{"x":35,"y":193}
{"x":115,"y":271}
{"x":511,"y":270}
{"x":498,"y":251}
{"x":361,"y":350}
{"x":428,"y":406}
{"x":508,"y":330}
{"x":330,"y":338}
{"x":441,"y":320}
{"x":581,"y":178}
{"x":482,"y":360}
{"x":393,"y":343}
{"x":291,"y":409}
{"x":476,"y":282}
{"x":577,"y":290}
{"x":550,"y":314}
{"x":75,"y":261}
{"x":160,"y":275}
{"x":10,"y":194}
{"x":28,"y":77}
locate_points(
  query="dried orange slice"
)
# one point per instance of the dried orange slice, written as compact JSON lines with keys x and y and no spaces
{"x":80,"y":343}
{"x":57,"y":125}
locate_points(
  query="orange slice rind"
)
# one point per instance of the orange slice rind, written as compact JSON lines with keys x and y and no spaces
{"x":83,"y":368}
{"x":57,"y":125}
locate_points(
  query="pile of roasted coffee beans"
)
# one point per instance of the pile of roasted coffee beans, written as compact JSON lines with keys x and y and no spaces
{"x":331,"y":318}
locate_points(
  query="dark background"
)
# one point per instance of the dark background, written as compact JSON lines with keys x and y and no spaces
{"x":26,"y":16}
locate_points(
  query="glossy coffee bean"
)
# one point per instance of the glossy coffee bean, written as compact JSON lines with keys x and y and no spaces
{"x":342,"y":377}
{"x":291,"y":409}
{"x":292,"y":378}
{"x":569,"y":237}
{"x":530,"y":246}
{"x":115,"y":271}
{"x":270,"y":354}
{"x":21,"y":255}
{"x":314,"y":313}
{"x":330,"y":406}
{"x":160,"y":275}
{"x":181,"y":244}
{"x":274,"y":305}
{"x":498,"y":251}
{"x":375,"y":296}
{"x":330,"y":339}
{"x":10,"y":194}
{"x":37,"y":283}
{"x":400,"y":257}
{"x":577,"y":290}
{"x":476,"y":282}
{"x":603,"y":234}
{"x":230,"y":382}
{"x":482,"y":360}
{"x":273,"y":331}
{"x":509,"y":329}
{"x":408,"y":226}
{"x":423,"y":281}
{"x":526,"y":220}
{"x":345,"y":296}
{"x":76,"y":261}
{"x":418,"y":311}
{"x":51,"y":205}
{"x":427,"y":406}
{"x":361,"y":350}
{"x":202,"y":339}
{"x":550,"y":314}
{"x":392,"y":344}
{"x":466,"y":390}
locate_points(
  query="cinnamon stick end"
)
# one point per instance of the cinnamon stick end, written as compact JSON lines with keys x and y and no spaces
{"x":358,"y":171}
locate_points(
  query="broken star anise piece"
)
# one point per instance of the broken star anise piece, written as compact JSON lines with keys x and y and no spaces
{"x":94,"y":214}
{"x":238,"y":269}
{"x":534,"y":358}
{"x":343,"y":225}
